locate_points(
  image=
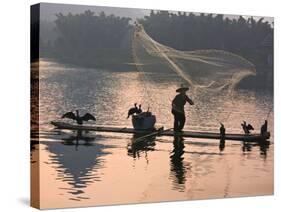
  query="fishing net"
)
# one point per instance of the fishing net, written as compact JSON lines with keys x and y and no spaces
{"x":208,"y":73}
{"x":209,"y":69}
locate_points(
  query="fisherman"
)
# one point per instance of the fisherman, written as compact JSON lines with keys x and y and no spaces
{"x":178,"y":108}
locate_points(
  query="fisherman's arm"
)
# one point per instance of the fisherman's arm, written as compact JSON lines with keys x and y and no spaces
{"x":189,"y":101}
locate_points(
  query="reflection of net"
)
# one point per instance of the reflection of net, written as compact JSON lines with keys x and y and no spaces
{"x":208,"y":72}
{"x":210,"y":69}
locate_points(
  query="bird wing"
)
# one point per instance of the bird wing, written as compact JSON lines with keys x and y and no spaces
{"x":132,"y":111}
{"x":88,"y":117}
{"x":69,"y":115}
{"x":250,"y":127}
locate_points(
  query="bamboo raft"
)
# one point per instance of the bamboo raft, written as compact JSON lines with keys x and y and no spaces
{"x":162,"y":132}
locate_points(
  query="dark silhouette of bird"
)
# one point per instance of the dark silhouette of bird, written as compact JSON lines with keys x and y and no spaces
{"x":139,"y":109}
{"x":264,"y":128}
{"x":247,"y":128}
{"x":132,"y":110}
{"x":222,"y":130}
{"x":79,"y":119}
{"x":148,"y":113}
{"x":222,"y":138}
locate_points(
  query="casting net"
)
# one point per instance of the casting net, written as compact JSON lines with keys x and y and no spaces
{"x":208,"y":73}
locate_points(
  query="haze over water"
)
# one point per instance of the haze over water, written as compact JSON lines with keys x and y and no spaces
{"x":105,"y":168}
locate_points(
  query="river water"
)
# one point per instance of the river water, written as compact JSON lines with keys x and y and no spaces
{"x":106,"y":168}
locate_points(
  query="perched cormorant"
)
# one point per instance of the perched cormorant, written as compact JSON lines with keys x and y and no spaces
{"x":222,"y":130}
{"x":246,"y":127}
{"x":222,"y":138}
{"x":77,"y":118}
{"x":264,"y":127}
{"x":139,"y":109}
{"x":132,"y":110}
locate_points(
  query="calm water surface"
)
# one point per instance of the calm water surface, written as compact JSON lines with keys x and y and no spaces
{"x":106,"y":168}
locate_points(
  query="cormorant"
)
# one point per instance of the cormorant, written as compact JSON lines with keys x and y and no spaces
{"x":77,"y":118}
{"x":246,"y":127}
{"x":264,"y":127}
{"x":132,"y":110}
{"x":139,"y":109}
{"x":222,"y":130}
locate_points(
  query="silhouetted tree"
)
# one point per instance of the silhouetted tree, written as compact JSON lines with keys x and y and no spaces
{"x":90,"y":39}
{"x":98,"y":39}
{"x":190,"y":32}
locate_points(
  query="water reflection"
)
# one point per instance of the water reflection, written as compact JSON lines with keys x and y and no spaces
{"x":135,"y":149}
{"x":77,"y":166}
{"x":222,"y":144}
{"x":178,"y":168}
{"x":80,"y":161}
{"x":79,"y":139}
{"x":263,"y":147}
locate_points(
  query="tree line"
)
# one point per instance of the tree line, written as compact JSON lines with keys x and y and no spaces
{"x":99,"y":39}
{"x":88,"y":38}
{"x":184,"y":31}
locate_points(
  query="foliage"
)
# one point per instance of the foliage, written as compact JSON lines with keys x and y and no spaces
{"x":100,"y":40}
{"x":88,"y":38}
{"x":184,"y":31}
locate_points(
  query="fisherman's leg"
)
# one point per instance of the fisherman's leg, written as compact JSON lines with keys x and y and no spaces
{"x":176,"y":121}
{"x":182,"y":121}
{"x":175,"y":124}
